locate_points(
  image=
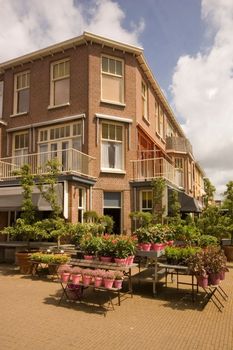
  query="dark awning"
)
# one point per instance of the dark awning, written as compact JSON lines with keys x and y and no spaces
{"x":188,"y":203}
{"x":11,"y":198}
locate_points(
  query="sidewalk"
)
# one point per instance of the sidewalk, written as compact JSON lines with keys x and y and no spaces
{"x":32,"y":320}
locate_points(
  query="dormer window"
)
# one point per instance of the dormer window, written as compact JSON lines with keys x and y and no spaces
{"x":60,"y":83}
{"x":21,"y":92}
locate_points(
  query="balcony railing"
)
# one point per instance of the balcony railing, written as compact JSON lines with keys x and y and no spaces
{"x":71,"y":161}
{"x":148,"y":169}
{"x":178,"y":144}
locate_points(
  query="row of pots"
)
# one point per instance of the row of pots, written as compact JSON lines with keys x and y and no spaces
{"x":108,"y":259}
{"x":86,"y":280}
{"x":154,"y":246}
{"x":211,"y":279}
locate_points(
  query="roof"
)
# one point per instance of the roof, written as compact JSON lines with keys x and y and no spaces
{"x":86,"y":38}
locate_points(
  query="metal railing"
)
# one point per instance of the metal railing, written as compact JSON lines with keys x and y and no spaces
{"x":178,"y":144}
{"x":70,"y":160}
{"x":148,"y":169}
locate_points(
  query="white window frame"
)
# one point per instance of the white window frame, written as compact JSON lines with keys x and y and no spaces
{"x":21,"y":154}
{"x":82,"y":207}
{"x":144,"y":100}
{"x":44,"y":139}
{"x":17,"y":90}
{"x":121,"y":78}
{"x":146,"y":209}
{"x":53,"y":80}
{"x":1,"y":97}
{"x":122,"y":142}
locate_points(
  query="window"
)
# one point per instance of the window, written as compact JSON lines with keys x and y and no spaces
{"x":56,"y":142}
{"x":1,"y":98}
{"x":170,"y":130}
{"x":112,"y":147}
{"x":60,"y":83}
{"x":144,"y":100}
{"x":179,"y":163}
{"x":21,"y":92}
{"x":156,"y":116}
{"x":81,"y":203}
{"x":112,"y":80}
{"x":146,"y":201}
{"x":161,"y":123}
{"x":20,"y":148}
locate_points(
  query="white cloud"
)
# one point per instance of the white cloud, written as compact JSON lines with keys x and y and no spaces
{"x":27,"y":25}
{"x":202,"y":89}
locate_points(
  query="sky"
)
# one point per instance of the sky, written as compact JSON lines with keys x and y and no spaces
{"x":187,"y":43}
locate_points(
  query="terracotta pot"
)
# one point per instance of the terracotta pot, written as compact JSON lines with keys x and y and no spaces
{"x":228,"y":251}
{"x":98,"y":281}
{"x":202,"y":281}
{"x":23,"y":260}
{"x":88,"y":257}
{"x":156,"y":247}
{"x":214,"y":278}
{"x":76,"y":278}
{"x":106,"y":259}
{"x":108,"y":283}
{"x":146,"y":246}
{"x":130,"y":260}
{"x":65,"y":276}
{"x":87,"y":280}
{"x":119,"y":261}
{"x":118,"y":284}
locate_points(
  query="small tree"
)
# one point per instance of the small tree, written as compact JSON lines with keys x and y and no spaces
{"x":24,"y":226}
{"x":228,"y":204}
{"x":55,"y":226}
{"x":174,"y":208}
{"x":158,"y":187}
{"x":209,"y":192}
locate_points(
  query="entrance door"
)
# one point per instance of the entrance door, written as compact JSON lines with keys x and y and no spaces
{"x":112,"y":207}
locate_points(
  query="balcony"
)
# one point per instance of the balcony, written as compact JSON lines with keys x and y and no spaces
{"x":178,"y":144}
{"x":71,"y":162}
{"x":148,"y":169}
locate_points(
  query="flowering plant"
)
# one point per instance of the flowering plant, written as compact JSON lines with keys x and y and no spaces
{"x":107,"y":245}
{"x":109,"y":275}
{"x":118,"y":275}
{"x":98,"y":273}
{"x":90,"y":244}
{"x":76,"y":270}
{"x":87,"y":272}
{"x":64,"y":268}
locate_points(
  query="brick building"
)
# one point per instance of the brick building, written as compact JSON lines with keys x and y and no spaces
{"x":95,"y":105}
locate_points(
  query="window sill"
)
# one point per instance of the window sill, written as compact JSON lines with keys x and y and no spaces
{"x":146,"y":121}
{"x":113,"y":103}
{"x":59,"y":106}
{"x":18,"y":114}
{"x":113,"y":171}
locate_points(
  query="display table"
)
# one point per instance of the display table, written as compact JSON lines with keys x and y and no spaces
{"x":96,"y":264}
{"x":179,"y":270}
{"x":153,"y":257}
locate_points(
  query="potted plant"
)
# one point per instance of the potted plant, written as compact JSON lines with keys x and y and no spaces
{"x":215,"y":264}
{"x":107,"y":248}
{"x":108,"y":279}
{"x":206,"y":241}
{"x":98,"y":277}
{"x":64,"y":271}
{"x":121,"y":250}
{"x":87,"y":276}
{"x":157,"y":237}
{"x":76,"y":274}
{"x":90,"y":245}
{"x":118,"y":279}
{"x":144,"y":238}
{"x":197,"y":266}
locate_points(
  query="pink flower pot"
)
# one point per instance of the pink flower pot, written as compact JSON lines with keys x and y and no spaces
{"x":98,"y":281}
{"x":202,"y":281}
{"x":156,"y":247}
{"x":76,"y":278}
{"x":170,"y":243}
{"x":214,"y":278}
{"x":106,"y":259}
{"x":88,"y":257}
{"x":146,"y":246}
{"x":65,"y":276}
{"x":119,"y":261}
{"x":118,"y":284}
{"x":108,"y":283}
{"x":222,"y":275}
{"x":140,"y":246}
{"x":130,"y":260}
{"x":87,"y":280}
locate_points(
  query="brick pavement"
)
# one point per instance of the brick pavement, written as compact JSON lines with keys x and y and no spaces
{"x":32,"y":320}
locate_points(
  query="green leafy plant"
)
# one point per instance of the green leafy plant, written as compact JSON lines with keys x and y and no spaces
{"x":90,"y":244}
{"x":207,"y":241}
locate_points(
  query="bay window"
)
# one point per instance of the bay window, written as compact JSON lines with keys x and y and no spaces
{"x":112,"y":73}
{"x":60,"y":83}
{"x":112,"y":147}
{"x":21,"y":92}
